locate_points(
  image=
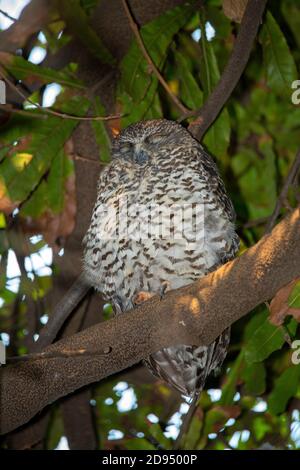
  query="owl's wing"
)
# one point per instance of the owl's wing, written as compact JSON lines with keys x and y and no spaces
{"x":105,"y":181}
{"x":208,"y":167}
{"x":95,"y":242}
{"x":217,"y":196}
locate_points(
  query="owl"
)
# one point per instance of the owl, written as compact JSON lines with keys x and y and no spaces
{"x":162,"y":219}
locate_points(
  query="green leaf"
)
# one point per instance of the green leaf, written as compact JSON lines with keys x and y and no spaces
{"x":78,"y":23}
{"x":156,"y":431}
{"x":155,"y":110}
{"x":279,"y":64}
{"x":136,"y":112}
{"x":285,"y":387}
{"x":254,"y":376}
{"x":190,"y":92}
{"x":102,"y":137}
{"x":22,"y":69}
{"x":22,"y":171}
{"x":138,"y":85}
{"x":88,"y":5}
{"x":138,"y":444}
{"x":255,"y":176}
{"x":290,"y":11}
{"x":193,"y":433}
{"x":56,"y":429}
{"x":61,"y":168}
{"x":50,"y":194}
{"x":218,"y":20}
{"x":294,"y":297}
{"x":7,"y":296}
{"x":215,"y":418}
{"x":255,"y":321}
{"x":229,"y":389}
{"x":218,"y":136}
{"x":261,"y":427}
{"x":266,"y":339}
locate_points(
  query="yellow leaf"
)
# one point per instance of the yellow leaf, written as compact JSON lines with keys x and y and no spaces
{"x":21,"y":160}
{"x":174,"y":86}
{"x":2,"y":220}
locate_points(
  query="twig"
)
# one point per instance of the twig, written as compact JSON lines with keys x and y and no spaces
{"x":255,"y":222}
{"x":9,"y":109}
{"x":52,"y":111}
{"x":222,"y":439}
{"x":11,"y":18}
{"x":136,"y":32}
{"x":232,"y":72}
{"x":284,"y":192}
{"x":283,"y":328}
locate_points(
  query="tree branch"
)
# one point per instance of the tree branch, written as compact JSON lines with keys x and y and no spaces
{"x":4,"y":13}
{"x":189,"y":315}
{"x":32,"y":19}
{"x":232,"y":72}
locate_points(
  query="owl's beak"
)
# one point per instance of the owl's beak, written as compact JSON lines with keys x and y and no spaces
{"x":140,"y":156}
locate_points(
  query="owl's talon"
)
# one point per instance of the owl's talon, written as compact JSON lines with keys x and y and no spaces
{"x":142,"y":296}
{"x":165,"y":287}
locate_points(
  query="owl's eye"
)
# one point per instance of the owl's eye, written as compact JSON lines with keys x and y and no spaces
{"x":126,"y":148}
{"x":155,"y":138}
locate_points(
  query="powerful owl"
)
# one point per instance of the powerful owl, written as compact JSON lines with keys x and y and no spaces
{"x":162,"y":219}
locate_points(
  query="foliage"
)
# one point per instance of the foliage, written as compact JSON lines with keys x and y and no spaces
{"x":254,"y":140}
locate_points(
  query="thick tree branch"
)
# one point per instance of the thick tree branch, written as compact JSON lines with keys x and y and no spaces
{"x":189,"y":315}
{"x":32,"y":19}
{"x":232,"y":72}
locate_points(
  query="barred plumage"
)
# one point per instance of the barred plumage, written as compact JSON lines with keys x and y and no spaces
{"x":159,"y":164}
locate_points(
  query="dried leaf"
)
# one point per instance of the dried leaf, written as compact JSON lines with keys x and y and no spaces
{"x":217,"y":416}
{"x":234,"y":9}
{"x":6,"y":204}
{"x":285,"y":303}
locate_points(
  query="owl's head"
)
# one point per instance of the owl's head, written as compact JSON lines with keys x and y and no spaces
{"x":141,"y":142}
